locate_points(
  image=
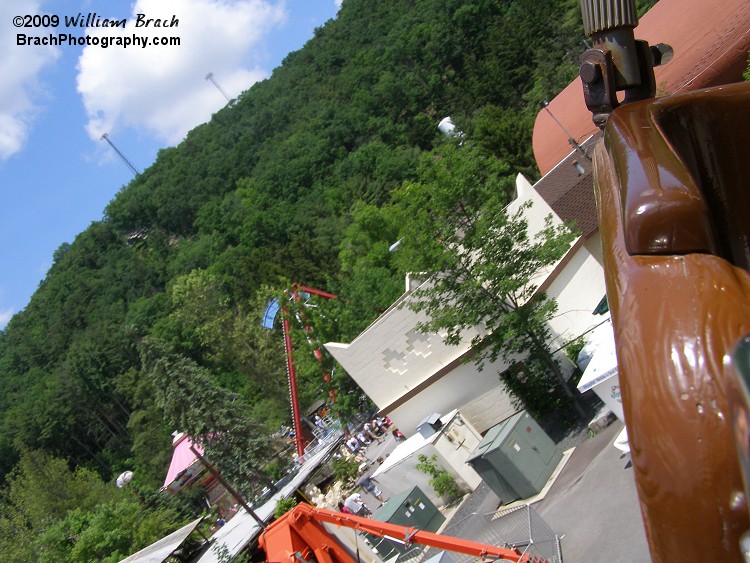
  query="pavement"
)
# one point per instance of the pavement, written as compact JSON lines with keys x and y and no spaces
{"x":593,"y":505}
{"x":590,"y":503}
{"x":372,"y":453}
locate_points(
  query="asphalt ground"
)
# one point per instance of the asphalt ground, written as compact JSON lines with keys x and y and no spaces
{"x":592,"y":505}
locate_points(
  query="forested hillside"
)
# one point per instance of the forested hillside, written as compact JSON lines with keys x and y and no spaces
{"x":283,"y":185}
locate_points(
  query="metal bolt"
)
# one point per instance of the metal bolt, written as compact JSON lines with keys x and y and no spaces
{"x":591,"y":73}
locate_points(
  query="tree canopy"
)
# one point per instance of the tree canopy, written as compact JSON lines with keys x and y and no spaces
{"x":482,"y":264}
{"x":292,"y":182}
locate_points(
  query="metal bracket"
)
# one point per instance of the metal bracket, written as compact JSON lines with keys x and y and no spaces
{"x":598,"y":79}
{"x":598,"y":74}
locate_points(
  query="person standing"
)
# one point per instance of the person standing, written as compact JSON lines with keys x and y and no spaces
{"x":362,"y":438}
{"x":369,"y":431}
{"x":368,"y":484}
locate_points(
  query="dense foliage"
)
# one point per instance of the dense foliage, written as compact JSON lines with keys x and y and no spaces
{"x":51,"y":513}
{"x":286,"y":184}
{"x":483,"y":267}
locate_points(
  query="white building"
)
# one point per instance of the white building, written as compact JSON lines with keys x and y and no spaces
{"x":409,"y":375}
{"x":452,"y":443}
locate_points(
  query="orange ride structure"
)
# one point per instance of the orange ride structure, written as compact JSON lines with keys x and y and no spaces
{"x":295,"y":295}
{"x":300,"y":536}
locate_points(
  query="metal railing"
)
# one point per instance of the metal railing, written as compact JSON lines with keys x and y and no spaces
{"x":323,"y":438}
{"x":518,"y":527}
{"x":522,"y":528}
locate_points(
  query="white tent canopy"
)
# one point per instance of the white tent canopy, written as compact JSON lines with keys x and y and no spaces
{"x":159,"y":551}
{"x":601,"y":373}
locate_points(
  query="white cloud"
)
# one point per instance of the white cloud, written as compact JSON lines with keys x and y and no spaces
{"x":163,"y":89}
{"x":20,"y":89}
{"x":5,"y":317}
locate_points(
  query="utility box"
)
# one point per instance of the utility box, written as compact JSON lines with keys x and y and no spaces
{"x":516,"y":458}
{"x":411,"y":508}
{"x":430,"y":425}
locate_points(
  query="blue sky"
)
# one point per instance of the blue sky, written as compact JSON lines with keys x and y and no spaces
{"x":56,"y":174}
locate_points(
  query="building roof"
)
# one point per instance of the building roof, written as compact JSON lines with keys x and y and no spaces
{"x":162,"y":549}
{"x":710,"y":38}
{"x":406,"y":449}
{"x":394,"y":505}
{"x":569,"y":193}
{"x":393,"y":361}
{"x":182,"y":457}
{"x":603,"y":363}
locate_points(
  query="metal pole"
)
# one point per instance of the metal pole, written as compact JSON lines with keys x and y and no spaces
{"x":232,"y":491}
{"x":571,"y":140}
{"x":299,"y":440}
{"x":210,"y":78}
{"x":122,"y":156}
{"x":609,"y":24}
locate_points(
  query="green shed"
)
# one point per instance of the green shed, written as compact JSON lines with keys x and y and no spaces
{"x":516,"y":458}
{"x":411,"y":508}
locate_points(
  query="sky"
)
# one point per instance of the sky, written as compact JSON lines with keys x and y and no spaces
{"x":57,"y":173}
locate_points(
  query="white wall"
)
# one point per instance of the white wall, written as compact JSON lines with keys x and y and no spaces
{"x":578,"y":289}
{"x":594,"y":246}
{"x":488,"y":409}
{"x":579,"y":286}
{"x":460,"y":386}
{"x":456,"y":441}
{"x":452,"y":445}
{"x":539,"y":211}
{"x":391,"y":357}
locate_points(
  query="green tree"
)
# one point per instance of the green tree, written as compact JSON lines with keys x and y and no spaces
{"x":107,"y":533}
{"x":329,"y":318}
{"x":52,"y":513}
{"x":481,"y":261}
{"x":345,"y":469}
{"x":43,"y":489}
{"x":265,"y":191}
{"x":151,"y":434}
{"x":441,"y":480}
{"x":283,"y":506}
{"x":194,"y":404}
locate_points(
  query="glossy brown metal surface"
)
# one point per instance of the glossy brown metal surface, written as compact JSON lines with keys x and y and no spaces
{"x":710,"y":133}
{"x":663,"y":209}
{"x":678,"y":311}
{"x":711,"y":39}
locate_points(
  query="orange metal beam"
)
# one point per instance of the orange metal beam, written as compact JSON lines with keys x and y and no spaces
{"x":300,"y":531}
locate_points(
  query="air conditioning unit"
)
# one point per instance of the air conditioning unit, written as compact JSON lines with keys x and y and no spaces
{"x":430,"y":425}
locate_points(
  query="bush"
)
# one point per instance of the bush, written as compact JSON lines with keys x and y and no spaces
{"x":443,"y":482}
{"x":573,"y":348}
{"x":445,"y":485}
{"x":275,"y":470}
{"x":283,"y":506}
{"x":345,"y":469}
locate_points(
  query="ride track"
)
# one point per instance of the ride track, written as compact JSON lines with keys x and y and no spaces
{"x":295,"y":295}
